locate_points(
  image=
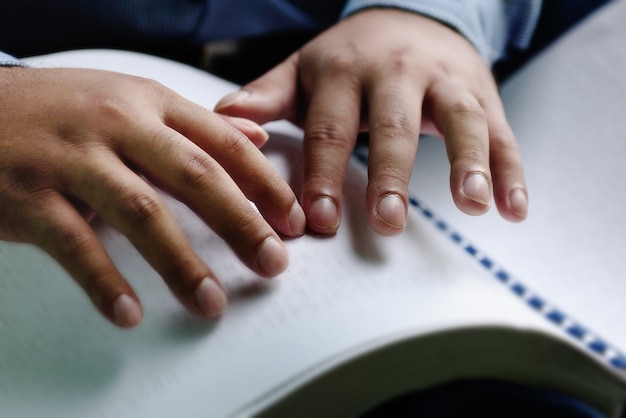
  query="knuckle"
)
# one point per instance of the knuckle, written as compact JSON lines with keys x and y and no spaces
{"x":107,"y":106}
{"x":235,"y":142}
{"x":162,"y":137}
{"x":469,"y":157}
{"x":465,"y":105}
{"x":150,"y":84}
{"x":465,"y":160}
{"x":22,"y":180}
{"x":340,"y":63}
{"x":399,"y":60}
{"x":71,"y":243}
{"x":330,"y":134}
{"x":392,"y":175}
{"x":246,"y":225}
{"x":395,"y":125}
{"x":199,"y":170}
{"x":499,"y":140}
{"x":143,"y":207}
{"x":146,"y":84}
{"x":118,"y":107}
{"x":153,"y":87}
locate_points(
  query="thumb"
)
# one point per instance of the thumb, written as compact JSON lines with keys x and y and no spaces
{"x":270,"y":97}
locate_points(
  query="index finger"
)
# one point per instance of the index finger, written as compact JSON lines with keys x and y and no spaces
{"x":134,"y":208}
{"x":247,"y":166}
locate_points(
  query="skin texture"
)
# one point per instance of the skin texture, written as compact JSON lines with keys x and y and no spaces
{"x":395,"y":74}
{"x":75,"y":142}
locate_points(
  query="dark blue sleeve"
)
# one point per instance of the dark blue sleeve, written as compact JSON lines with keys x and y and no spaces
{"x":29,"y":27}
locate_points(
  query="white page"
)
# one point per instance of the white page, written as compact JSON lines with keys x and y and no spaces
{"x":58,"y":356}
{"x":567,"y":109}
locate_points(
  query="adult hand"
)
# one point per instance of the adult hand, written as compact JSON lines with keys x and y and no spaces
{"x":74,"y":141}
{"x":395,"y":73}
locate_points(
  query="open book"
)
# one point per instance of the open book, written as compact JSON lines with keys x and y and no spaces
{"x":358,"y":318}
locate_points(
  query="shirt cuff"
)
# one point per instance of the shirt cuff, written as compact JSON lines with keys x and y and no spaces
{"x":7,"y":60}
{"x":492,"y":26}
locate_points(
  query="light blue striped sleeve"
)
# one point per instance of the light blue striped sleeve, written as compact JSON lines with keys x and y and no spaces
{"x":7,"y":60}
{"x":492,"y":26}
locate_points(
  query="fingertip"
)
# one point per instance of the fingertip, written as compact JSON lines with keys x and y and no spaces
{"x":323,"y":216}
{"x":272,"y":258}
{"x":518,"y":204}
{"x":127,"y":312}
{"x":232,"y":99}
{"x":390,"y":212}
{"x":209,"y":298}
{"x":476,"y":193}
{"x":476,"y":188}
{"x":272,"y":96}
{"x":251,"y":129}
{"x":297,"y":220}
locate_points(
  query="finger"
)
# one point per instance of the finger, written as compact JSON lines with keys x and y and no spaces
{"x":65,"y":235}
{"x":394,"y":120}
{"x":190,"y":174}
{"x":130,"y":205}
{"x":458,"y":115}
{"x":195,"y":168}
{"x":510,"y":191}
{"x":252,"y":130}
{"x":270,"y":97}
{"x":331,"y":127}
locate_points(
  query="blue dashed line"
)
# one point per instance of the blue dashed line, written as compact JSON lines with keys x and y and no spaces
{"x":503,"y":276}
{"x":576,"y":331}
{"x":471,"y":250}
{"x":598,"y":346}
{"x":536,"y":303}
{"x":442,"y":226}
{"x":518,"y":289}
{"x":487,"y":263}
{"x":556,"y":317}
{"x":619,"y":362}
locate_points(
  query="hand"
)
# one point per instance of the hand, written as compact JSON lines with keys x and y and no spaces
{"x":75,"y":141}
{"x":394,"y":73}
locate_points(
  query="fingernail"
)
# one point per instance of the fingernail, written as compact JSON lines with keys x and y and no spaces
{"x":232,"y":98}
{"x":476,"y":188}
{"x":519,"y":202}
{"x":254,"y":127}
{"x":210,"y":298}
{"x":126,"y":311}
{"x":297,"y":220}
{"x":391,"y":211}
{"x":272,"y":257}
{"x":323,"y":213}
